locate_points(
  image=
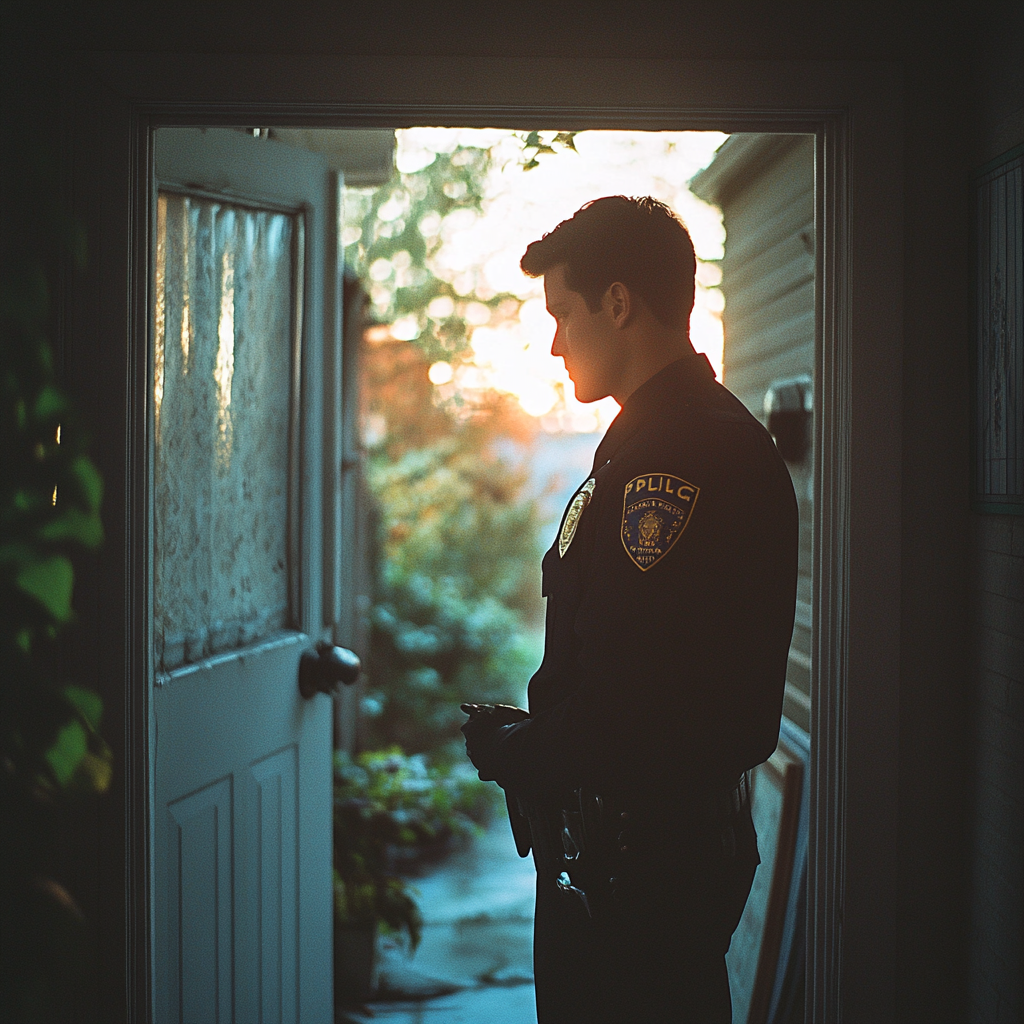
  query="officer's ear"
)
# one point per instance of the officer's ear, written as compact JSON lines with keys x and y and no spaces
{"x":619,"y":303}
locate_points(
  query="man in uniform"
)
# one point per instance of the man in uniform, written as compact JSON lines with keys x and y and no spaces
{"x":670,"y":591}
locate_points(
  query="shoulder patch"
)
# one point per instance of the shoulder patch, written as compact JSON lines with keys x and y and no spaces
{"x":655,"y":510}
{"x":572,"y":516}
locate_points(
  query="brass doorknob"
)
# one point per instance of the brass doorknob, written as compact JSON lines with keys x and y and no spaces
{"x":326,"y":669}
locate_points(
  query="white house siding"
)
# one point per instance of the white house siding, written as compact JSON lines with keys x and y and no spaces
{"x":764,"y":185}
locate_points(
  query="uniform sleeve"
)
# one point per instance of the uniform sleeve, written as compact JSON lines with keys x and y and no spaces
{"x":688,"y":570}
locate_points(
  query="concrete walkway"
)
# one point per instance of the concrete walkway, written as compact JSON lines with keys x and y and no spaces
{"x":474,"y":964}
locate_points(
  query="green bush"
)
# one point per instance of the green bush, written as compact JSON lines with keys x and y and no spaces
{"x":392,"y":814}
{"x":457,"y":590}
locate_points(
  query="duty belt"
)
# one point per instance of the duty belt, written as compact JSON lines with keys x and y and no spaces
{"x":608,"y":840}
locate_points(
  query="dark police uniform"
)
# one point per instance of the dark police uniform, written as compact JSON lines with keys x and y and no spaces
{"x":670,"y":591}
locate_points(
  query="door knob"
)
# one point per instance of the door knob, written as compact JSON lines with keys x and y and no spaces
{"x":324,"y":670}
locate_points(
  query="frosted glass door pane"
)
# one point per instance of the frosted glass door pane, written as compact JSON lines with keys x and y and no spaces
{"x":225,"y":324}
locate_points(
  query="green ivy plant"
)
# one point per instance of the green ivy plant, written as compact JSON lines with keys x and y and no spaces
{"x":52,"y":754}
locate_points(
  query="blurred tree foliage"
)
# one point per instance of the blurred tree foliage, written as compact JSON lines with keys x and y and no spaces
{"x":393,"y":235}
{"x":51,"y":752}
{"x":457,"y":598}
{"x":457,"y":601}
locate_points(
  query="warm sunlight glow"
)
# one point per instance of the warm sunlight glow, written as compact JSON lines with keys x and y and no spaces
{"x":481,"y":253}
{"x":440,"y":373}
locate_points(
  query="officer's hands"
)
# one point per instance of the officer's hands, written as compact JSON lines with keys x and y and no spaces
{"x":484,"y":732}
{"x":495,"y":714}
{"x":481,"y":745}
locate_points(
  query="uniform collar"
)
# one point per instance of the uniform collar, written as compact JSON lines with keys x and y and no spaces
{"x":678,"y":380}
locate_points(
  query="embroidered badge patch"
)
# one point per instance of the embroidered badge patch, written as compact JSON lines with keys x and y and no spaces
{"x":655,"y":510}
{"x":572,"y":517}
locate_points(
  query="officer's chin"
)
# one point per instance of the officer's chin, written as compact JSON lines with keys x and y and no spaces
{"x":585,"y":395}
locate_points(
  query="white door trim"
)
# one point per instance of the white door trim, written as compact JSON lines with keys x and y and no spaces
{"x":855,"y":110}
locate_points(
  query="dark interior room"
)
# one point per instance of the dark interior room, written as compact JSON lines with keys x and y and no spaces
{"x":915,"y":900}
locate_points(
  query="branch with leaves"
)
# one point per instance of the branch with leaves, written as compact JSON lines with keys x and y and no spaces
{"x":535,"y":146}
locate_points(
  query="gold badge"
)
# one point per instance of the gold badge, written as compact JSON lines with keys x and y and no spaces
{"x":573,"y":516}
{"x":655,"y":510}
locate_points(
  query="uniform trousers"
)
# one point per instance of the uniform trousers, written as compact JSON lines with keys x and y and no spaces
{"x":657,"y":957}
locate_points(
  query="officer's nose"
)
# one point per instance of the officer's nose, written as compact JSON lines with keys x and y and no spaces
{"x":556,"y":343}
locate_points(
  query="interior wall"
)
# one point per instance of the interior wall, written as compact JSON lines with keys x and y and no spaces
{"x":996,"y":652}
{"x":933,"y":698}
{"x":729,"y":29}
{"x":943,"y":548}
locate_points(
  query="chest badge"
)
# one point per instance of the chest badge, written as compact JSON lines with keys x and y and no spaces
{"x":655,"y":510}
{"x":573,"y":516}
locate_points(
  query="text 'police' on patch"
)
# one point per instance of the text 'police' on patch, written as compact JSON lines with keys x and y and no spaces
{"x":655,"y":510}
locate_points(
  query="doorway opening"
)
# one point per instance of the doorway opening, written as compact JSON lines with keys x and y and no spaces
{"x":459,"y":439}
{"x":453,"y":326}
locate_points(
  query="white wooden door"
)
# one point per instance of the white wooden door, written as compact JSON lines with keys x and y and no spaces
{"x":242,"y":766}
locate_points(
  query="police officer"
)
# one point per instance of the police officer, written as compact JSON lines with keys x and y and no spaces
{"x":671,"y":589}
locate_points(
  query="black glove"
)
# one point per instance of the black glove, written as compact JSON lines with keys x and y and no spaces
{"x":487,"y":726}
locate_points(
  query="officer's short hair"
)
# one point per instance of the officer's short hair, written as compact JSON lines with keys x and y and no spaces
{"x":637,"y":241}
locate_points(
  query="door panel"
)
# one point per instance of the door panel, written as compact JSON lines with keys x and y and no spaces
{"x":199,"y":903}
{"x":277,"y":828}
{"x":242,"y":767}
{"x":246,"y":874}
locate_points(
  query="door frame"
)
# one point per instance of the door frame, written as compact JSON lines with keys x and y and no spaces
{"x":854,"y":109}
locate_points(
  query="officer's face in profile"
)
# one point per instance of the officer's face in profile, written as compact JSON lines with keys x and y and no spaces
{"x":591,"y":345}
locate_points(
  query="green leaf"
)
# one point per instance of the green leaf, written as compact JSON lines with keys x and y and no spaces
{"x":75,"y":525}
{"x":530,"y":164}
{"x":50,"y":582}
{"x":50,"y":402}
{"x":88,"y":703}
{"x":25,"y":500}
{"x":67,"y":752}
{"x":90,"y":481}
{"x":533,"y":139}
